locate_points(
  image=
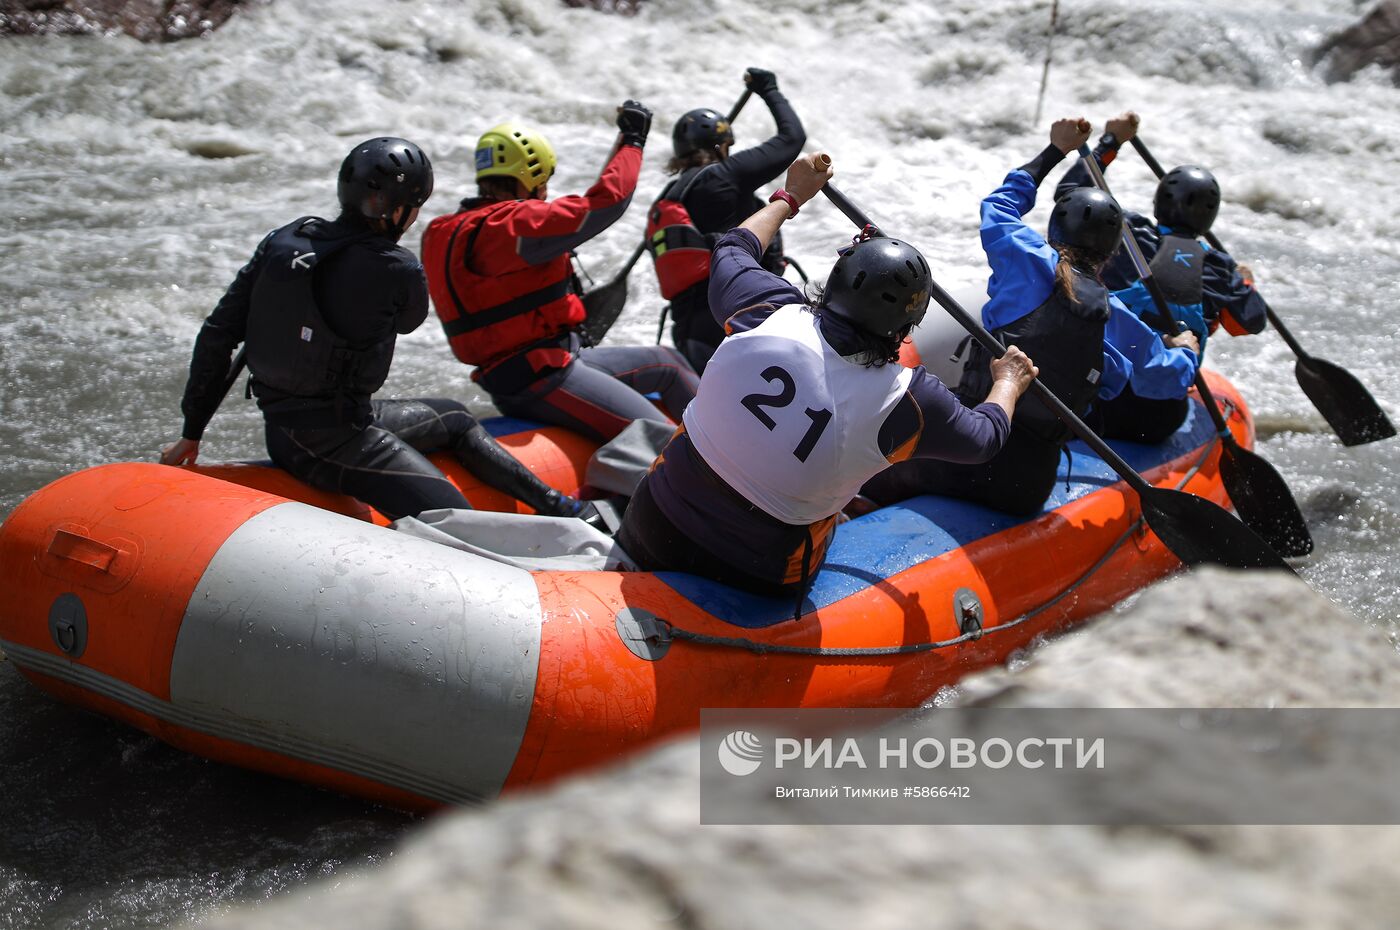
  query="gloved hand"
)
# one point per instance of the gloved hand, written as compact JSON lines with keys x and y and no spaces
{"x":760,"y":81}
{"x":635,"y":122}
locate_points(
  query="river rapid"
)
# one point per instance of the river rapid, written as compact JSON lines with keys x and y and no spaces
{"x":138,"y":178}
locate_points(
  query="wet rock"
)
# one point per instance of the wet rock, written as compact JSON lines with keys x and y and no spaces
{"x":1374,"y":40}
{"x":625,"y":7}
{"x":147,"y":20}
{"x":623,"y":849}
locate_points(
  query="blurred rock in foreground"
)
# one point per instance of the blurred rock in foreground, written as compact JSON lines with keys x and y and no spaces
{"x":625,"y":7}
{"x":623,"y":849}
{"x":147,"y":20}
{"x":1373,"y":40}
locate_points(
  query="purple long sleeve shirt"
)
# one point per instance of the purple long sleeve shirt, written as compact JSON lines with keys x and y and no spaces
{"x":928,"y":421}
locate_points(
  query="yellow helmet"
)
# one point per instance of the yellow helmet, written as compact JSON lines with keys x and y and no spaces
{"x":514,"y":151}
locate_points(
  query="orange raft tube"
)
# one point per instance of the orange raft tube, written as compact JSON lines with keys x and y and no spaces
{"x":229,"y":620}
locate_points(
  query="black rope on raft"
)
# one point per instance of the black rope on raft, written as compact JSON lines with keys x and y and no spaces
{"x":670,"y":632}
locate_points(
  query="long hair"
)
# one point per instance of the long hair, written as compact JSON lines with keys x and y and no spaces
{"x":871,"y":350}
{"x":1071,"y":258}
{"x":695,"y":159}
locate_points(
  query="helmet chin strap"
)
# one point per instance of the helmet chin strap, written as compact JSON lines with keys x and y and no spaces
{"x":389,"y":228}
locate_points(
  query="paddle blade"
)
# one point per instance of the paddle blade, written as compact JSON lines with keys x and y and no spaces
{"x":1343,"y":401}
{"x":1198,"y":532}
{"x":602,"y":306}
{"x":1263,"y":501}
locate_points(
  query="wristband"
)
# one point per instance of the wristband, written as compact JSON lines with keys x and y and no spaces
{"x":786,"y":198}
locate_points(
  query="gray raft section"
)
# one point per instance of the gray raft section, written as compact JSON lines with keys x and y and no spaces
{"x":941,"y":340}
{"x":348,"y":645}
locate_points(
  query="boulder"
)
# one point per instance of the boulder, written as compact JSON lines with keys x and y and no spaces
{"x":147,"y":20}
{"x":1374,"y":40}
{"x":624,"y":849}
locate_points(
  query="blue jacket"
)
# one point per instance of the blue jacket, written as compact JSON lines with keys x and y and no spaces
{"x":1023,"y":276}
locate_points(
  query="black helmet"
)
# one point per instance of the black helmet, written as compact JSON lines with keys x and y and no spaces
{"x":881,"y":285}
{"x":700,"y":129}
{"x":381,"y":175}
{"x":1188,"y":198}
{"x":1087,"y":219}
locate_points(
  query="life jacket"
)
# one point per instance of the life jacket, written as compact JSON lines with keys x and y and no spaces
{"x":488,"y":317}
{"x":1178,"y":268}
{"x":291,"y":347}
{"x":680,"y":251}
{"x":1065,"y":340}
{"x":787,"y":422}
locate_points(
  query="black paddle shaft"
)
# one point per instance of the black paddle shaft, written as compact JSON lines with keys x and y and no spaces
{"x":604,"y":304}
{"x":738,"y":105}
{"x":1193,"y":528}
{"x":1337,"y":394}
{"x":235,"y":369}
{"x":1260,"y":495}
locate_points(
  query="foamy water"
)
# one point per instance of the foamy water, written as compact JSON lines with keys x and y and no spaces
{"x":137,"y":179}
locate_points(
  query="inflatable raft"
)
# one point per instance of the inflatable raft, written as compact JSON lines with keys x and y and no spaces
{"x":237,"y":614}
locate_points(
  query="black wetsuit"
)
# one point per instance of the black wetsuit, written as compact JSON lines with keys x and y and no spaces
{"x":721,"y":198}
{"x":368,"y":291}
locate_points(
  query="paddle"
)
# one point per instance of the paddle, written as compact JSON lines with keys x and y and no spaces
{"x":1259,"y":493}
{"x":235,"y":368}
{"x":1193,"y":528}
{"x":604,"y":304}
{"x":1342,"y":400}
{"x":792,"y":263}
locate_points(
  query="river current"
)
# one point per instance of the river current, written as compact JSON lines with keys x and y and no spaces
{"x":137,"y":178}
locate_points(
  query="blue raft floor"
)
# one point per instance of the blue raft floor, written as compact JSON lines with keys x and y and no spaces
{"x":866,"y":551}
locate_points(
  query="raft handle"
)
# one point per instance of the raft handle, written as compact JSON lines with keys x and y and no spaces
{"x":968,"y":607}
{"x":83,"y":549}
{"x":644,"y":634}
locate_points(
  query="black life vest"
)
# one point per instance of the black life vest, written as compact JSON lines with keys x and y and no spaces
{"x":291,"y":348}
{"x":1065,"y":340}
{"x":1179,"y":267}
{"x":680,"y":251}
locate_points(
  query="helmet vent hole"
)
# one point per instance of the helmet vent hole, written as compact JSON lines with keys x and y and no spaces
{"x":889,"y":298}
{"x":859,"y":280}
{"x":899,"y":279}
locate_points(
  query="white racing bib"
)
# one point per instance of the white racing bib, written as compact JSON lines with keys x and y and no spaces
{"x":787,"y":422}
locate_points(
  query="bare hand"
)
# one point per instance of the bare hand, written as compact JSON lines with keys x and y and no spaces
{"x":1246,"y":272}
{"x":1185,"y":339}
{"x":807,"y":176}
{"x":1016,"y":369}
{"x":1069,"y":134}
{"x":180,"y":452}
{"x":1123,"y":126}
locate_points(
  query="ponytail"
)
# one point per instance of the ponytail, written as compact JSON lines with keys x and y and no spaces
{"x":1071,"y":258}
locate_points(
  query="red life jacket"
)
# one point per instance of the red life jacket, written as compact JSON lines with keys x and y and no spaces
{"x":680,"y":250}
{"x":492,"y":315}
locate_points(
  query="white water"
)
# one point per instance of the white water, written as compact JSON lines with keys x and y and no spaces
{"x":136,"y":179}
